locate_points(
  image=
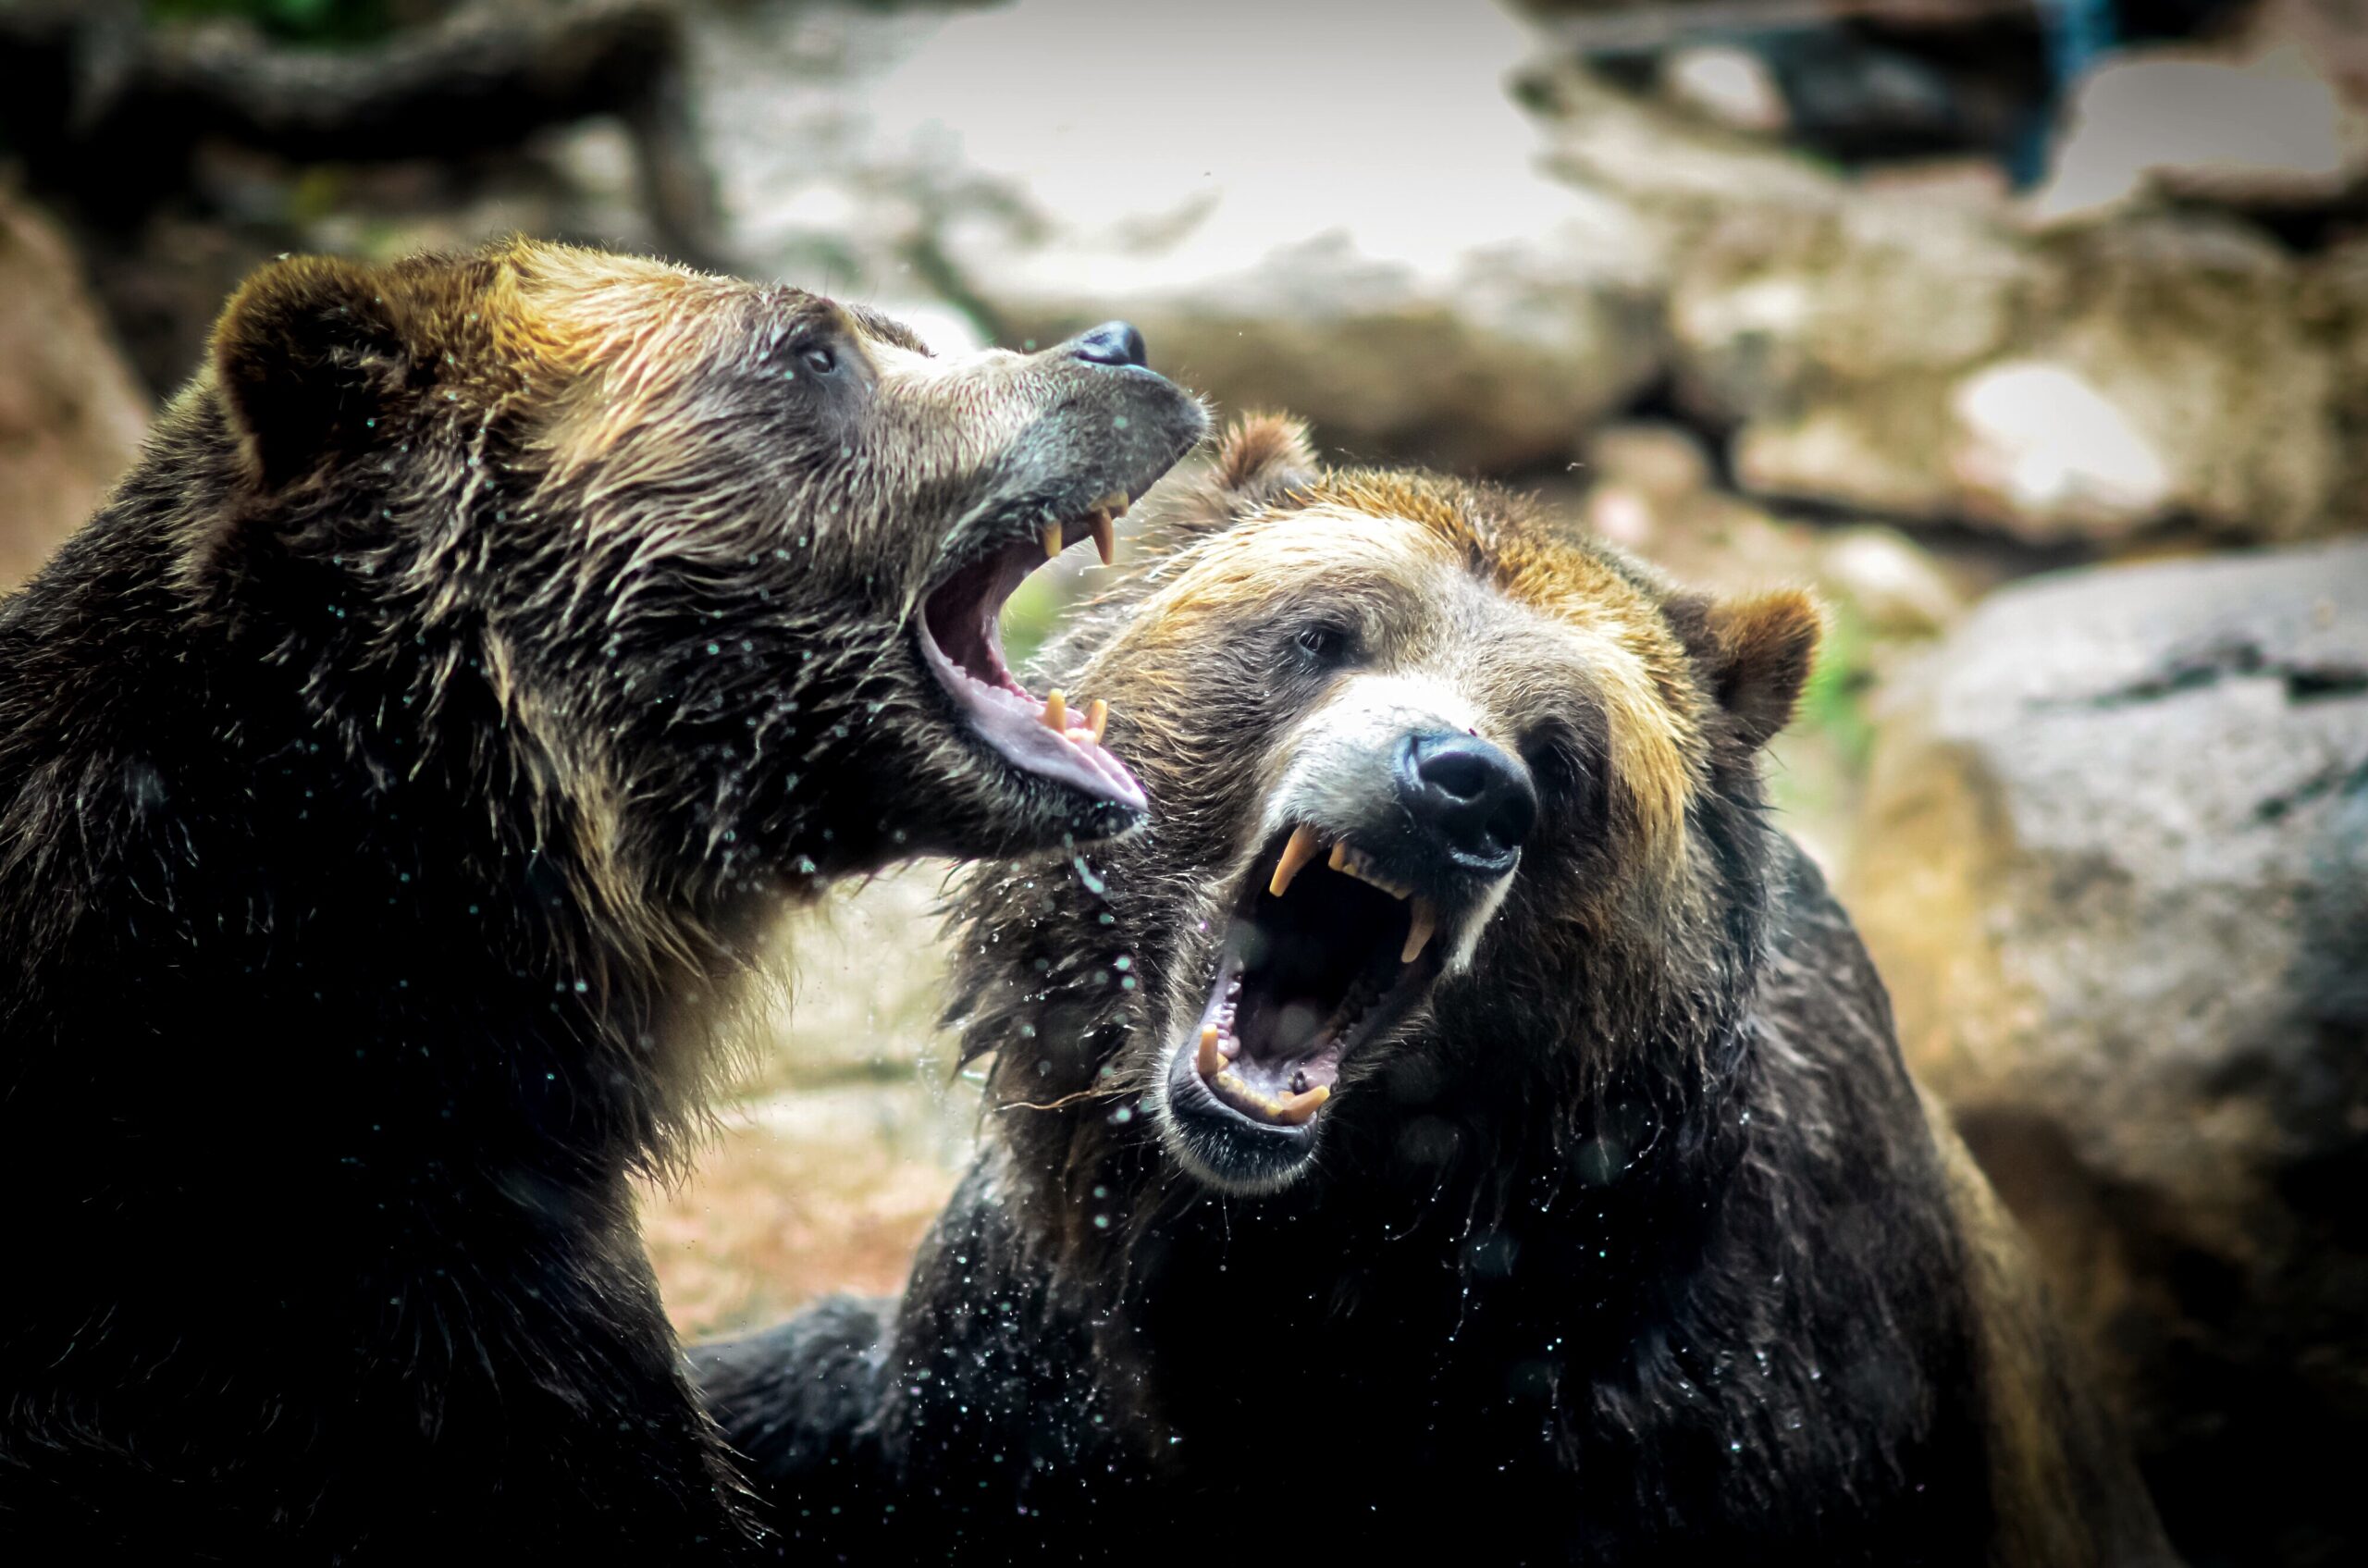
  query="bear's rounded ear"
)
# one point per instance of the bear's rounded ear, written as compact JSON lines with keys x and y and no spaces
{"x":1756,"y":653}
{"x":1258,"y":461}
{"x":306,"y":353}
{"x":1261,"y":457}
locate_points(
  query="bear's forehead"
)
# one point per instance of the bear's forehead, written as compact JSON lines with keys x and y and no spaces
{"x":1389,"y":532}
{"x":1486,"y":594}
{"x":578,"y":304}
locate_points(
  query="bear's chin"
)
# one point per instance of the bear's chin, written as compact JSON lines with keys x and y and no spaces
{"x":1217,"y":1145}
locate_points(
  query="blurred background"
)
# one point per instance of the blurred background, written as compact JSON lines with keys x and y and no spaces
{"x":2032,"y":333}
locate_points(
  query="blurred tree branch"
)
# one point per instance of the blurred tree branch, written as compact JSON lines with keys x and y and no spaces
{"x":105,"y":110}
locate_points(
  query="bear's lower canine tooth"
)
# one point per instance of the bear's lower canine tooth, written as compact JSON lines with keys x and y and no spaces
{"x":1422,"y":918}
{"x":1056,"y":713}
{"x":1106,"y":538}
{"x":1296,"y":854}
{"x":1097,"y":719}
{"x":1208,"y":1058}
{"x":1051,"y":540}
{"x":1293,"y":1110}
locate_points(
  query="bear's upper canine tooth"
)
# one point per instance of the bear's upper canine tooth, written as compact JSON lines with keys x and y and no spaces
{"x":1106,"y":538}
{"x":1097,"y":719}
{"x":1293,"y":1110}
{"x":1297,"y":853}
{"x":1051,"y":540}
{"x":1339,"y":856}
{"x":1208,"y":1059}
{"x":1056,"y":713}
{"x":1422,"y":918}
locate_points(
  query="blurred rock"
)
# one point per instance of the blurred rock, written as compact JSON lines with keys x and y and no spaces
{"x":1385,"y":261}
{"x":71,"y":414}
{"x":811,"y":188}
{"x":1652,"y":492}
{"x":1892,"y":586}
{"x":1725,"y":84}
{"x":1979,"y":183}
{"x":1662,"y":460}
{"x":2115,"y":872}
{"x":2266,"y":130}
{"x":1925,"y":360}
{"x":2336,"y":304}
{"x":1651,"y":489}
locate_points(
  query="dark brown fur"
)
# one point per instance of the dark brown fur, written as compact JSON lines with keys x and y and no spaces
{"x":396,"y":778}
{"x":1634,"y":1243}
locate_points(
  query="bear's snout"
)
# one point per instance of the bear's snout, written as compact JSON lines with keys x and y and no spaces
{"x":1473,"y":804}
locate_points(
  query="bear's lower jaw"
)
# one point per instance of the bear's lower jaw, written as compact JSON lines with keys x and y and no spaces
{"x":960,"y":638}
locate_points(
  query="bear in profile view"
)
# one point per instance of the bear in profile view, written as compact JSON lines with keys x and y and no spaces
{"x":1462,"y":1115}
{"x":396,"y":779}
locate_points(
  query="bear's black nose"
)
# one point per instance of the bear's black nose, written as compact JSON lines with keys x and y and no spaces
{"x":1112,"y":342}
{"x":1474,"y":800}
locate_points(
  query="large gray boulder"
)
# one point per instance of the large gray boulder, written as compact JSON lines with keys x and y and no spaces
{"x":1932,"y":359}
{"x":2115,"y":871}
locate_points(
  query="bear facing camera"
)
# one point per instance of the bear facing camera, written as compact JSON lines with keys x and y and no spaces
{"x":397,"y":777}
{"x":1505,"y":1145}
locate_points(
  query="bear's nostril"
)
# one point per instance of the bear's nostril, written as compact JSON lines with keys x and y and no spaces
{"x":1474,"y":800}
{"x":1112,"y":342}
{"x":1460,"y":773}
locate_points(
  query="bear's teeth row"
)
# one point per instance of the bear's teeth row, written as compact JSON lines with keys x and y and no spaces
{"x":1293,"y":1107}
{"x":1055,"y":717}
{"x":1101,"y":520}
{"x":1423,"y":915}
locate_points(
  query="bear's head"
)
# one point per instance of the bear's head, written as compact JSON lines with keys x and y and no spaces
{"x":1450,"y":809}
{"x":708,"y":572}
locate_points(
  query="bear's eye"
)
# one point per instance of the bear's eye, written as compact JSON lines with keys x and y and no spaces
{"x":1550,"y":765}
{"x":820,"y":359}
{"x":1558,"y":764}
{"x":1326,"y":644}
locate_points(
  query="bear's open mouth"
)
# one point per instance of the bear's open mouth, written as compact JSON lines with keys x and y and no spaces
{"x":1323,"y":952}
{"x":961,"y":638}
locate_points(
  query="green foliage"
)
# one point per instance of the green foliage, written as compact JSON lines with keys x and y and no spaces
{"x":1833,"y":702}
{"x":303,"y":21}
{"x":1030,"y":616}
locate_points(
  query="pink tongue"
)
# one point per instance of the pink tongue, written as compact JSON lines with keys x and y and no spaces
{"x":1012,"y":724}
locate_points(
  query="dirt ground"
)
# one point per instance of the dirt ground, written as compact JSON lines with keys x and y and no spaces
{"x":847,"y":1130}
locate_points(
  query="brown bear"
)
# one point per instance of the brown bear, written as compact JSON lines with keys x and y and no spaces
{"x":1462,"y":1117}
{"x":397,"y":777}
